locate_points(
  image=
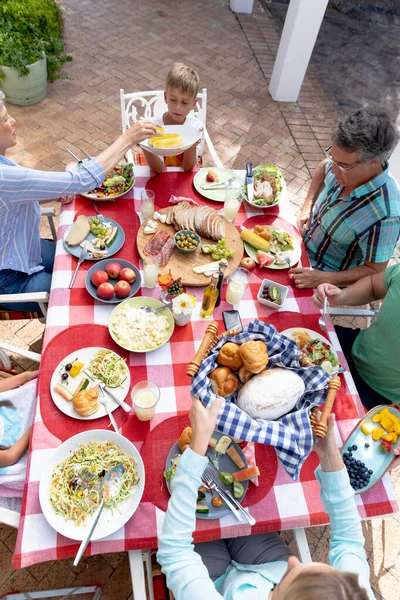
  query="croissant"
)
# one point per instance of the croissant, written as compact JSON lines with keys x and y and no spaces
{"x":86,"y":402}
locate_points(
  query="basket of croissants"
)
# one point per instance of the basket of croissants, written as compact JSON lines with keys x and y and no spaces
{"x":267,"y":394}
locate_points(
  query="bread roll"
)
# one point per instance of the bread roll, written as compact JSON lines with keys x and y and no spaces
{"x":223,"y":381}
{"x":185,"y":439}
{"x":254,"y":355}
{"x":244,"y":375}
{"x":86,"y":402}
{"x":229,"y":356}
{"x":271,"y":394}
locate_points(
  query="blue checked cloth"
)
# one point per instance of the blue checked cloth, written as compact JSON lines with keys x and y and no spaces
{"x":291,"y":435}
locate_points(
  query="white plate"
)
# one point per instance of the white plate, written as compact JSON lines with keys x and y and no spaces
{"x":108,"y":522}
{"x":190,"y":135}
{"x":294,"y":255}
{"x":315,"y":335}
{"x":84,"y":355}
{"x":212,"y":194}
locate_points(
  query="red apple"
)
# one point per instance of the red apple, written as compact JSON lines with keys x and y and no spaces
{"x":122,"y":289}
{"x":105,"y":291}
{"x":128,"y":275}
{"x":248,"y":263}
{"x":113,"y":269}
{"x":99,"y":277}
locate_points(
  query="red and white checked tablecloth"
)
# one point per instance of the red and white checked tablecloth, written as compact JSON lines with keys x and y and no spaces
{"x":77,"y":321}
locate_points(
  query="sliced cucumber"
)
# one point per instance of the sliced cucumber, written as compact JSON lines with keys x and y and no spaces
{"x":111,"y":238}
{"x":238,"y":489}
{"x":202,"y":509}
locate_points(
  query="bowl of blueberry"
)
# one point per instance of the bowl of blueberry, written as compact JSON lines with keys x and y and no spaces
{"x":272,"y":294}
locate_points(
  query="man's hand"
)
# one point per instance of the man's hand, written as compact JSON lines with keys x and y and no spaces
{"x":307,"y":278}
{"x":396,"y":462}
{"x":332,"y":292}
{"x":139,"y":131}
{"x":203,"y":422}
{"x":303,"y":222}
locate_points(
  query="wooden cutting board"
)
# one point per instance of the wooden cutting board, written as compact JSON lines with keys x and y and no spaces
{"x":181,"y":265}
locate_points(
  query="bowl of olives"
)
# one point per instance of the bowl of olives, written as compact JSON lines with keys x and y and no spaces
{"x":186,"y":241}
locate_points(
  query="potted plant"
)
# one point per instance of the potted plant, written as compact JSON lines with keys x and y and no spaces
{"x":31,"y":49}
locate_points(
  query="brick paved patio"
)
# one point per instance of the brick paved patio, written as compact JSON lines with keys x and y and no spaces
{"x":132,"y":44}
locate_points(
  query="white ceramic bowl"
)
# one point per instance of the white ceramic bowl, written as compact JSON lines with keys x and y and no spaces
{"x":190,"y":135}
{"x":284,"y":292}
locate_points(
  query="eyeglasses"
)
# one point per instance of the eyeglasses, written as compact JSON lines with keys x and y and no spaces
{"x":338,"y":165}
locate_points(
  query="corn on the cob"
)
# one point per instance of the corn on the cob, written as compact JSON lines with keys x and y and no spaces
{"x":254,"y":240}
{"x":169,"y":140}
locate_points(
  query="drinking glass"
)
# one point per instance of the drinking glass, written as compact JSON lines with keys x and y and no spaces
{"x":145,"y":396}
{"x":233,"y":201}
{"x":147,"y":203}
{"x":150,"y":269}
{"x":237,"y":286}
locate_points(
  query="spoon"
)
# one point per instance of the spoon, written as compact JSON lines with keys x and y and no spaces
{"x":149,"y":309}
{"x":111,"y":486}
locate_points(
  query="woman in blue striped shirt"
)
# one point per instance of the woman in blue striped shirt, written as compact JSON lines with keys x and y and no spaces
{"x":26,"y":261}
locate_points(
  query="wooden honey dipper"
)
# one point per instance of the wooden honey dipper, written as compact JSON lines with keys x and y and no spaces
{"x":320,"y":427}
{"x":209,"y":335}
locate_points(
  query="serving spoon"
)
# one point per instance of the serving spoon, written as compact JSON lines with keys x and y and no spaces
{"x":110,"y":488}
{"x":149,"y":309}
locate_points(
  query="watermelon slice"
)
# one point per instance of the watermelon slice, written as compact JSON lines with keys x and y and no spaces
{"x":245,"y":474}
{"x":264,"y":259}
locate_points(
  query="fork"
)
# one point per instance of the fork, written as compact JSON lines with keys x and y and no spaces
{"x":98,"y":215}
{"x":212,"y":485}
{"x":103,"y":401}
{"x":218,"y":184}
{"x":211,"y":472}
{"x":149,"y":309}
{"x":322,"y":320}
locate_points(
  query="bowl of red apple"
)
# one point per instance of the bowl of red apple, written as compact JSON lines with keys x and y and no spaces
{"x":112,"y":281}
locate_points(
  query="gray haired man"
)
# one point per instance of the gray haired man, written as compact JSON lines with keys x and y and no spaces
{"x":350,"y":220}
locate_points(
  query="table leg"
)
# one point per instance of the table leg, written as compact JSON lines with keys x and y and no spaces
{"x":302,"y":545}
{"x":137,"y":574}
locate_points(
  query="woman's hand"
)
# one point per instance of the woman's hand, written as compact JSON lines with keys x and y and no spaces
{"x":203,"y":422}
{"x":329,"y":455}
{"x":139,"y":131}
{"x":29,"y":375}
{"x":332,"y":292}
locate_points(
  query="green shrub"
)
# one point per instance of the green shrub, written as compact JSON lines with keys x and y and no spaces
{"x":30,"y":29}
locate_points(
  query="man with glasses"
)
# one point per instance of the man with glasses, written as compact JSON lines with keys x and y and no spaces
{"x":350,"y":220}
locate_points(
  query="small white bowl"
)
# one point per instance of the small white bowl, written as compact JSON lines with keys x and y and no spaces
{"x":284,"y":292}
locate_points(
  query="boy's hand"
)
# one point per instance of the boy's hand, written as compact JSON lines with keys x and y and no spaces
{"x":329,"y":455}
{"x":140,"y":131}
{"x":203,"y":422}
{"x":332,"y":292}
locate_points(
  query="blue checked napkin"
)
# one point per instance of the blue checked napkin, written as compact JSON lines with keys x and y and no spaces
{"x":291,"y":435}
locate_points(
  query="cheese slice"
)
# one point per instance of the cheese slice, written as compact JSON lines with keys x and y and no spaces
{"x":160,"y":217}
{"x":147,"y":230}
{"x":208,"y":268}
{"x":151,"y":223}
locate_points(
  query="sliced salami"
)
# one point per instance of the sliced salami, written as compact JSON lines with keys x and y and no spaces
{"x":166,"y":252}
{"x":154,"y":246}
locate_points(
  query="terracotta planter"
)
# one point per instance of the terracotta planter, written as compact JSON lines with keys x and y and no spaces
{"x":24,"y":91}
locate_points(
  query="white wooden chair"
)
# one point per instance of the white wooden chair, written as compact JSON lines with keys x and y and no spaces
{"x":150,"y":103}
{"x":41,"y":298}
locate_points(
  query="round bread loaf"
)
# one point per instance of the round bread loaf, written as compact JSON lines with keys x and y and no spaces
{"x":271,"y":394}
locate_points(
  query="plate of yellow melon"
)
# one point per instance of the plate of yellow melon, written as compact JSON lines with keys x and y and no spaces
{"x":171,"y":140}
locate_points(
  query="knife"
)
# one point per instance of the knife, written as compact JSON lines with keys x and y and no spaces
{"x":213,"y":473}
{"x":122,"y":404}
{"x":249,"y":181}
{"x":80,"y":261}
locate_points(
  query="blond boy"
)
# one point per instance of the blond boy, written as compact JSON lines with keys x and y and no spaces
{"x":182,"y":86}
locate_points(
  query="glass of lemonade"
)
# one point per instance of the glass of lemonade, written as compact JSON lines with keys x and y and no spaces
{"x":145,"y":396}
{"x":147,"y":203}
{"x":237,"y":286}
{"x":150,"y":269}
{"x":233,"y":201}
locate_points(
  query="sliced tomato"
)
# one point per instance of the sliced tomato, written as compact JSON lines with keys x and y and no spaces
{"x":264,"y":259}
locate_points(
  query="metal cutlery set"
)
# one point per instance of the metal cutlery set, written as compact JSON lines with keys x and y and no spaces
{"x":210,"y":478}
